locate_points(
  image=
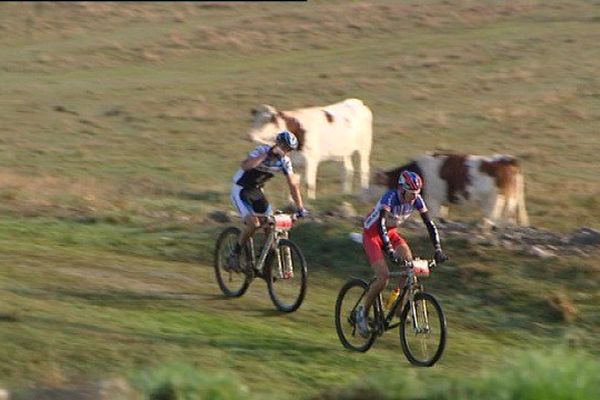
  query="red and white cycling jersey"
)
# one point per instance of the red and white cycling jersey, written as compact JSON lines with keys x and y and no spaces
{"x":399,"y":210}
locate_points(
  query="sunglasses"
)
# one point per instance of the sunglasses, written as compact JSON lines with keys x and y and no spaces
{"x":412,"y":193}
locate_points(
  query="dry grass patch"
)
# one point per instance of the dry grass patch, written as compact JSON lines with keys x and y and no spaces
{"x":47,"y":191}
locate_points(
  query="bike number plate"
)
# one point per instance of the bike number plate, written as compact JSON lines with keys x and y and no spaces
{"x":283,"y":222}
{"x":421,"y":267}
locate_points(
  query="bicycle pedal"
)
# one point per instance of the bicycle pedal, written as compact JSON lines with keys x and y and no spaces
{"x":233,"y":269}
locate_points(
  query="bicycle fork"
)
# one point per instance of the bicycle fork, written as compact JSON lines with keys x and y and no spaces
{"x":419,"y":326}
{"x":284,"y":263}
{"x":284,"y":259}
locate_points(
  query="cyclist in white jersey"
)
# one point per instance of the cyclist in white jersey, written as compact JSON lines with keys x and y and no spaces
{"x":247,"y":191}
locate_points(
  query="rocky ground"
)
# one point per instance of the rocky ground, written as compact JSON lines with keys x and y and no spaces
{"x":531,"y":240}
{"x":534,"y":241}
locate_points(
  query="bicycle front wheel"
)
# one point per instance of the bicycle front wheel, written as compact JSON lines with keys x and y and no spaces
{"x":232,"y":283}
{"x":346,"y":326}
{"x":286,"y":275}
{"x":423,"y":330}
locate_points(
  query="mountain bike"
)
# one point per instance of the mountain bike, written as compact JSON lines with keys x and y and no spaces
{"x":422,"y":322}
{"x":279,"y":262}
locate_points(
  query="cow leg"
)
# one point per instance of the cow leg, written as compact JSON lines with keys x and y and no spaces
{"x":347,"y":174}
{"x":522,"y":217}
{"x":311,"y":179}
{"x":364,"y":170}
{"x":511,"y":210}
{"x":493,"y":210}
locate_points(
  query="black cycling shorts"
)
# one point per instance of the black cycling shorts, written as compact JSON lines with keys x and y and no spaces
{"x":250,"y":201}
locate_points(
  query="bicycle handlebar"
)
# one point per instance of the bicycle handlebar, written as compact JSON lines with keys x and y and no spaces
{"x":271,"y":220}
{"x":407,"y":267}
{"x":409,"y":263}
{"x":294,"y":216}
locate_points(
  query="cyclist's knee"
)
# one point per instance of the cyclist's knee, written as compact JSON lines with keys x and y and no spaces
{"x":383,"y":276}
{"x":404,"y":251}
{"x":381,"y":270}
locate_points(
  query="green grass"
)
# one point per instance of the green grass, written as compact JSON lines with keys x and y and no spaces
{"x":556,"y":374}
{"x":122,"y":127}
{"x":94,"y":306}
{"x":186,"y":383}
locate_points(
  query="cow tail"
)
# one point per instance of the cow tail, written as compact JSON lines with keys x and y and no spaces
{"x":523,"y":219}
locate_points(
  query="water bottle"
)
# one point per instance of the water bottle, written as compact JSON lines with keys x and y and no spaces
{"x":393,"y":296}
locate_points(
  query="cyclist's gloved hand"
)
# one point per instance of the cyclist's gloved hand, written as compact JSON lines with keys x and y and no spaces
{"x":302,"y":213}
{"x":439,"y":256}
{"x":275,"y":152}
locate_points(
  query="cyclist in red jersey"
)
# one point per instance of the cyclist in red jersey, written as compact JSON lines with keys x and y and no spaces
{"x":380,"y":235}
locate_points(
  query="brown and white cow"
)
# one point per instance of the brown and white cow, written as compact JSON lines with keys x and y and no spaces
{"x":333,"y":132}
{"x":495,"y":182}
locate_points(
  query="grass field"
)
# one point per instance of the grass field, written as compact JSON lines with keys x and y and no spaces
{"x":122,"y":125}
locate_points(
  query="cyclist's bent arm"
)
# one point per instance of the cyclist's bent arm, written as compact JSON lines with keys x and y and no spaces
{"x":293,"y":183}
{"x":252,"y":162}
{"x":381,"y":225}
{"x":432,"y":229}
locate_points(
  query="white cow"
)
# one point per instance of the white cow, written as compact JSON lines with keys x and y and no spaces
{"x":332,"y":132}
{"x":494,"y":182}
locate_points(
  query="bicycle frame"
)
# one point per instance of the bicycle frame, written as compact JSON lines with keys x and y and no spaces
{"x":273,"y":237}
{"x":411,"y":286}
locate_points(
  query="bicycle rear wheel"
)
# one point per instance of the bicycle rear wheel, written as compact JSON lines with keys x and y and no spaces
{"x":232,"y":283}
{"x":286,"y":276}
{"x":424,"y":338}
{"x":349,"y":298}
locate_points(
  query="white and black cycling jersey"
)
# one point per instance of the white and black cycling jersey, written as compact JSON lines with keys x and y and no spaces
{"x":257,"y":176}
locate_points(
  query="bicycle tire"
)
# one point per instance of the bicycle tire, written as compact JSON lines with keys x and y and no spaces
{"x":341,"y":318}
{"x":219,"y":262}
{"x":404,"y":324}
{"x":300,"y":272}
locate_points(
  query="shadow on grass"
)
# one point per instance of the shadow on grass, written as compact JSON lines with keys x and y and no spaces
{"x":9,"y":317}
{"x":269,"y":312}
{"x":123,"y":335}
{"x":218,"y":296}
{"x":239,"y":340}
{"x":209,"y":196}
{"x":122,"y":299}
{"x":269,"y":343}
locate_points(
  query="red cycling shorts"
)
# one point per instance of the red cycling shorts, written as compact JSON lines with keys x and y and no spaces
{"x":373,"y":244}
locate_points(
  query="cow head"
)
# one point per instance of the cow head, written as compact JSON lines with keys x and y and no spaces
{"x":267,"y":122}
{"x":265,"y":125}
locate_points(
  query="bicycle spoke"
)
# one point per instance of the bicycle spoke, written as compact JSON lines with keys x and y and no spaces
{"x":345,"y":316}
{"x":286,"y":276}
{"x":423,"y":335}
{"x":232,"y":283}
